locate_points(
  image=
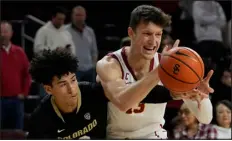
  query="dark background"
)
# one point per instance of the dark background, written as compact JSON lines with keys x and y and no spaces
{"x":99,"y":14}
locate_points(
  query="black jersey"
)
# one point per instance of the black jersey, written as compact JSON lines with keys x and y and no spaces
{"x":88,"y":121}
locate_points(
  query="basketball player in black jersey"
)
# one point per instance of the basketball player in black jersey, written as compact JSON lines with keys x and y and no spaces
{"x":70,"y":111}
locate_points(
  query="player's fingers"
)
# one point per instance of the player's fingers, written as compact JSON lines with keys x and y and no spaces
{"x":176,"y":44}
{"x":203,"y":94}
{"x":209,"y":75}
{"x":211,"y":90}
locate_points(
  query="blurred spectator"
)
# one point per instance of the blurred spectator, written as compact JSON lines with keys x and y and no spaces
{"x":191,"y":128}
{"x":125,"y":42}
{"x":222,"y":87}
{"x":166,"y":41}
{"x":209,"y":20}
{"x":222,"y":119}
{"x":53,"y":34}
{"x":227,"y":38}
{"x":85,"y":44}
{"x":182,"y":23}
{"x":186,"y":6}
{"x":15,"y":80}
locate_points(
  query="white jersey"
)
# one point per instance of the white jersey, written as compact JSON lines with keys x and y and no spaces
{"x":142,"y":122}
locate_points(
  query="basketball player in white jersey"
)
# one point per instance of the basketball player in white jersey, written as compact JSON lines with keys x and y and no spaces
{"x":129,"y":115}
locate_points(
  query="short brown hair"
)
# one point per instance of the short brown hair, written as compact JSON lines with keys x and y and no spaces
{"x":148,"y":13}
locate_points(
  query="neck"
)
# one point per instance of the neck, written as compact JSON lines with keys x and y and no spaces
{"x":65,"y":107}
{"x":226,"y":126}
{"x":137,"y":63}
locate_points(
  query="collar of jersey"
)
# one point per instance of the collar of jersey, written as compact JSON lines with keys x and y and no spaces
{"x":57,"y":111}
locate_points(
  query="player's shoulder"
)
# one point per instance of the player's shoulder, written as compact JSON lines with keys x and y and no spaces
{"x":43,"y":108}
{"x":111,"y":58}
{"x":85,"y":85}
{"x":92,"y":92}
{"x":108,"y":62}
{"x":90,"y":87}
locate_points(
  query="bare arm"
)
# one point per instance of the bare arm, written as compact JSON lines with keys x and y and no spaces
{"x":124,"y":96}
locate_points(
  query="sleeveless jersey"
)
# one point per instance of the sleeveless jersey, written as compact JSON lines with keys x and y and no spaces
{"x":138,"y":122}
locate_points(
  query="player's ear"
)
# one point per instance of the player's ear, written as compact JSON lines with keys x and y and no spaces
{"x":130,"y":32}
{"x":48,"y":89}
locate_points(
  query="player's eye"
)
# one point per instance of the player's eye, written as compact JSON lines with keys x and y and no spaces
{"x":62,"y":84}
{"x":73,"y":80}
{"x":148,"y":34}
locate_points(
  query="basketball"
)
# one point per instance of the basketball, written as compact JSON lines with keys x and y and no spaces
{"x":181,"y":69}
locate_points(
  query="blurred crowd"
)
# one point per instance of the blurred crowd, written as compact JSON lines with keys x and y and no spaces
{"x":209,"y":34}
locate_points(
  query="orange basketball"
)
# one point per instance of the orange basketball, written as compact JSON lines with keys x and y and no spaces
{"x":181,"y":69}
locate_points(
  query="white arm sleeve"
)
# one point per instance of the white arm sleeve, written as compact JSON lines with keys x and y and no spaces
{"x":205,"y":113}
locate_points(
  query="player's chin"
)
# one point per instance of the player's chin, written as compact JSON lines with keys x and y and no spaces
{"x":148,"y":56}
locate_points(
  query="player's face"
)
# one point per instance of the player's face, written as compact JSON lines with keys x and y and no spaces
{"x":223,"y":114}
{"x":187,"y":117}
{"x":146,"y":39}
{"x":58,"y":20}
{"x":64,"y":89}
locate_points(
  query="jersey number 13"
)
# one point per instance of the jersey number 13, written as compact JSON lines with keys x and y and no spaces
{"x":140,"y":109}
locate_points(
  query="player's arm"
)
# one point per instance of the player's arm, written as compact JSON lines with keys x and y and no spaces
{"x":198,"y":101}
{"x":122,"y":95}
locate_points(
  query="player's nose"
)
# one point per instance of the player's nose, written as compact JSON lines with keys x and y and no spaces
{"x":70,"y":88}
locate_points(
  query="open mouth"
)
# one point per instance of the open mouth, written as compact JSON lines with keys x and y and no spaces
{"x":149,"y":48}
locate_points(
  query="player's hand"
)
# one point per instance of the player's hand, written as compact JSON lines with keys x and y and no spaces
{"x":167,"y":48}
{"x":204,"y":85}
{"x":202,"y":91}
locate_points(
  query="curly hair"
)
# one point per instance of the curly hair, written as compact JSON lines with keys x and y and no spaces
{"x":47,"y":64}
